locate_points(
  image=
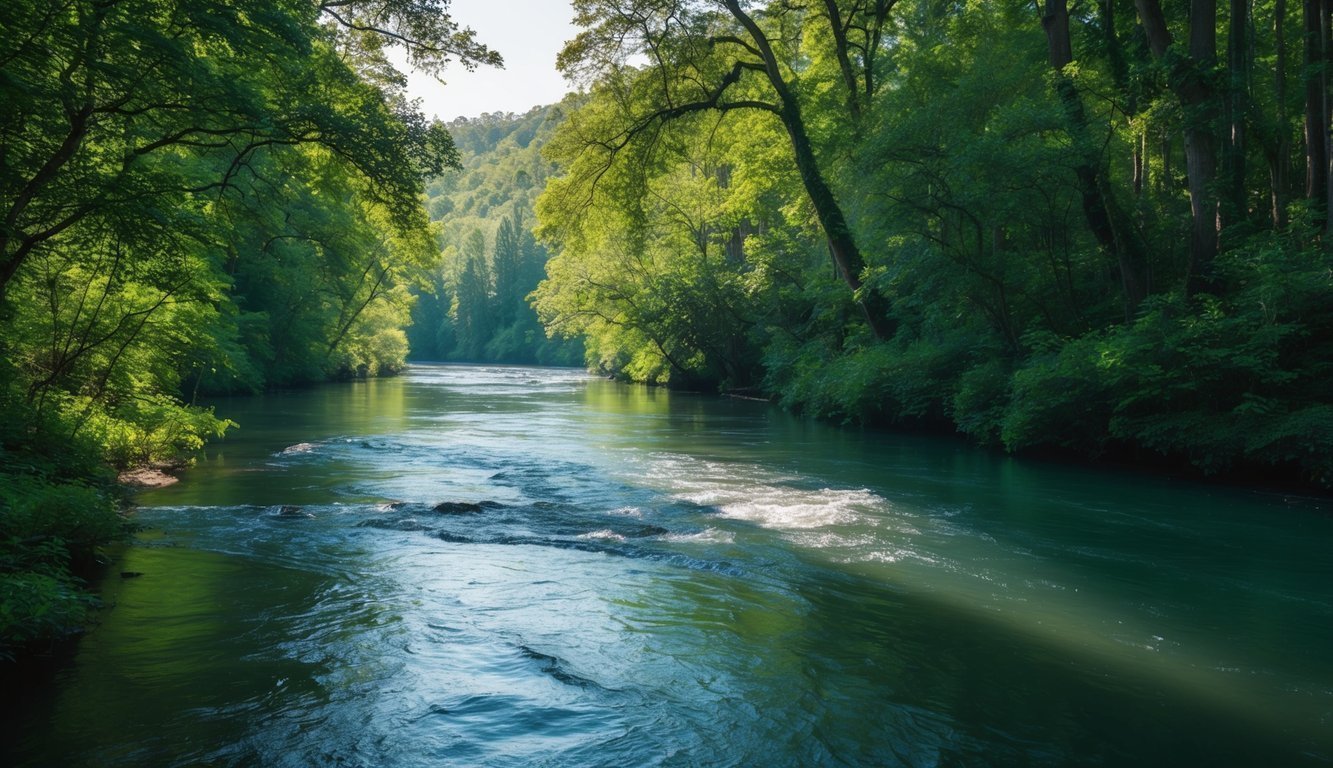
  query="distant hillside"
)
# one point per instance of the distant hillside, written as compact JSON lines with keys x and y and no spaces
{"x":475,"y":307}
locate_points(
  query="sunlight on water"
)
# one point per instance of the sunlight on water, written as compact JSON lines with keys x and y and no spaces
{"x":508,"y":566}
{"x":929,"y":555}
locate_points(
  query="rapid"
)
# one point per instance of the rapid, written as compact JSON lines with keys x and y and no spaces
{"x":507,"y":566}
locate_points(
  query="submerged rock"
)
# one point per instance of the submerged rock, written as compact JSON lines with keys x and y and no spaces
{"x":466,"y":507}
{"x":405,"y":524}
{"x":290,"y":512}
{"x":298,"y":448}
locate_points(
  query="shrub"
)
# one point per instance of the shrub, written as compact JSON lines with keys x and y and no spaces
{"x":37,"y":607}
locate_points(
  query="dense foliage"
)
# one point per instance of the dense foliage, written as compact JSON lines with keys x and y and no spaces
{"x":197,"y":195}
{"x":475,"y":306}
{"x":1098,"y":230}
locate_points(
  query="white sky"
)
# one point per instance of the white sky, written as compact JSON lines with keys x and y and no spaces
{"x":528,"y":34}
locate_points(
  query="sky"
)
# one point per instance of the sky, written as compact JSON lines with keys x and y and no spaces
{"x":528,"y":33}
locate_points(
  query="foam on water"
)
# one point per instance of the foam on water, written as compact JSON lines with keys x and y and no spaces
{"x":503,"y":566}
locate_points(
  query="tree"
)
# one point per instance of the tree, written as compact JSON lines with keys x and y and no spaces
{"x":1190,"y":74}
{"x":507,"y":260}
{"x":1108,"y":222}
{"x":719,"y":57}
{"x":502,"y":173}
{"x":474,"y":321}
{"x":194,"y":195}
{"x":1016,"y":192}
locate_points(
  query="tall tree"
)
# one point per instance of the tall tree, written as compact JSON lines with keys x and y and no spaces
{"x":1315,"y":18}
{"x":735,"y":60}
{"x":1277,"y":150}
{"x":1239,"y":63}
{"x":141,"y":80}
{"x":507,"y":262}
{"x":1108,"y":222}
{"x":472,"y":311}
{"x":1191,"y":77}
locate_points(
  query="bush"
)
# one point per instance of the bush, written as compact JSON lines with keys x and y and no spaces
{"x":36,"y":608}
{"x":1218,"y":383}
{"x":45,"y":529}
{"x":1060,"y":400}
{"x":34,"y":511}
{"x":981,"y":400}
{"x":152,"y":430}
{"x":887,"y":383}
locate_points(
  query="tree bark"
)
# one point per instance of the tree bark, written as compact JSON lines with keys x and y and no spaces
{"x":840,"y":46}
{"x":1189,"y":78}
{"x":1279,"y":158}
{"x":1108,"y":223}
{"x":1326,"y":111}
{"x":1316,"y":120}
{"x":1238,"y":67}
{"x":842,"y":245}
{"x":1140,"y":161}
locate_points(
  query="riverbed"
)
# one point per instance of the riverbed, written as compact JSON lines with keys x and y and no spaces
{"x":506,"y":566}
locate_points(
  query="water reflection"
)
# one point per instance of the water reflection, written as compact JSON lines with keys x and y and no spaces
{"x":508,"y":566}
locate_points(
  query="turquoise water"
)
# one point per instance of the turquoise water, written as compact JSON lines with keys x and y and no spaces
{"x":629,"y":577}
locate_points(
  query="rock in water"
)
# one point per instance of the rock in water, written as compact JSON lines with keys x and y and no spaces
{"x":290,"y":512}
{"x":458,"y":508}
{"x":466,"y":507}
{"x":298,"y":448}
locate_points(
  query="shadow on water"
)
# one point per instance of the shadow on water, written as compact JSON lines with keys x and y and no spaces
{"x":185,"y":654}
{"x":504,"y":566}
{"x":954,"y":687}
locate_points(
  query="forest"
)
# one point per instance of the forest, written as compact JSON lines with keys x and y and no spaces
{"x":198,"y":197}
{"x":1097,"y":230}
{"x":475,"y":307}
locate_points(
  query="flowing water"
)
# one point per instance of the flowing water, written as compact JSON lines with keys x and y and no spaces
{"x":621,"y":576}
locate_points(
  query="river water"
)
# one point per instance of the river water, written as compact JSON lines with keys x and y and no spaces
{"x":623,"y":576}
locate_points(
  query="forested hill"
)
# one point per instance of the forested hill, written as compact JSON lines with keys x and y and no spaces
{"x":474,"y":306}
{"x":1096,"y":229}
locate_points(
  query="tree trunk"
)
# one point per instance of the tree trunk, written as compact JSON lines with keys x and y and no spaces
{"x":1279,"y":158}
{"x":1326,"y":107}
{"x":840,"y":46}
{"x":1108,"y":223}
{"x":1166,"y":182}
{"x":842,"y":245}
{"x":1238,"y":67}
{"x":1316,"y":122}
{"x":1189,"y":79}
{"x":1140,"y":161}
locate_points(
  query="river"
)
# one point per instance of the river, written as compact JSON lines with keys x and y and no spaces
{"x":624,"y":576}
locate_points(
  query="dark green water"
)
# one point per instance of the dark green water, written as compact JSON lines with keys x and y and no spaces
{"x":666,"y":579}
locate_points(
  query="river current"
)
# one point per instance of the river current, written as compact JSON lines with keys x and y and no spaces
{"x":502,"y":566}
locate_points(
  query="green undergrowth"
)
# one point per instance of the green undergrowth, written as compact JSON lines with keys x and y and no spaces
{"x":1220,"y":384}
{"x":59,"y":507}
{"x":50,"y":533}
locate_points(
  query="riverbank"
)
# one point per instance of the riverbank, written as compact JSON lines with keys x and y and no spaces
{"x":1294,"y":475}
{"x":52,"y":535}
{"x":620,"y":574}
{"x":147,"y":477}
{"x":65,"y":496}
